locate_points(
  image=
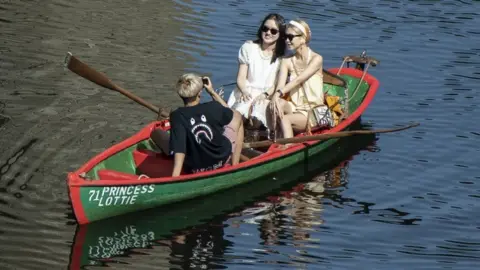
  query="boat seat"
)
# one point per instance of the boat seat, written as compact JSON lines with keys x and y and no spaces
{"x":106,"y":174}
{"x":333,"y":79}
{"x":152,"y":163}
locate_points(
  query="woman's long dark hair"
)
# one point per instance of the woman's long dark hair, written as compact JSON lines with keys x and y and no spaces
{"x":280,"y":44}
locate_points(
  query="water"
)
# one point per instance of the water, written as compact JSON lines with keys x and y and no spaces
{"x":399,"y":201}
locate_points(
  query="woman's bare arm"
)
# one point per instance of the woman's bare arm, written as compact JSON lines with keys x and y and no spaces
{"x":282,"y":76}
{"x":313,"y":67}
{"x":242,"y":77}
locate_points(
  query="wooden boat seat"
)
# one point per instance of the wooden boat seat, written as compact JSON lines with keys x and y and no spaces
{"x":152,"y":164}
{"x":333,"y":79}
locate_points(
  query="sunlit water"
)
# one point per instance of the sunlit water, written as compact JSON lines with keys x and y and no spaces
{"x":407,"y":200}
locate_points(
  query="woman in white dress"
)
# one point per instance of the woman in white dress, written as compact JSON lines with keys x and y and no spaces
{"x":258,"y":68}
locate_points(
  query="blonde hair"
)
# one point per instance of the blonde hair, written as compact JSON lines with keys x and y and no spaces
{"x":189,"y":85}
{"x":308,"y":35}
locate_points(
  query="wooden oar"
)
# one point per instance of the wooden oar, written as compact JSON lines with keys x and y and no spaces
{"x":324,"y":136}
{"x":82,"y":69}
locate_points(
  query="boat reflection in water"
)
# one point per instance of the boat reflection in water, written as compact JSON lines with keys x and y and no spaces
{"x":300,"y":205}
{"x":191,"y":233}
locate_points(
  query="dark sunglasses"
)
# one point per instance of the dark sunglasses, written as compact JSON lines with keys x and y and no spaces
{"x":291,"y":37}
{"x":272,"y":30}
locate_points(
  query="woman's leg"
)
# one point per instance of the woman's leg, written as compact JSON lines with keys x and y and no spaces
{"x":299,"y":122}
{"x":293,"y":122}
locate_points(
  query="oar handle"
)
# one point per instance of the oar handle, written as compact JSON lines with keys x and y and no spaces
{"x":85,"y":71}
{"x":324,"y":136}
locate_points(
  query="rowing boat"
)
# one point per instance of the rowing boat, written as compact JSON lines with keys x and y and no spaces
{"x":99,"y":243}
{"x":131,"y":176}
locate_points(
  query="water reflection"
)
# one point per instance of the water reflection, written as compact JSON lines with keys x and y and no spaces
{"x":192,"y":234}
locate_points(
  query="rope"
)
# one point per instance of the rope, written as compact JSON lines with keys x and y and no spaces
{"x":347,"y":99}
{"x":341,"y":66}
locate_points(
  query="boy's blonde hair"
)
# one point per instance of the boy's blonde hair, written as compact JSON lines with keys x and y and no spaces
{"x":189,"y":85}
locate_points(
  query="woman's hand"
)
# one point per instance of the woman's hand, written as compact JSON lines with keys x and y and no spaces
{"x":221,"y":91}
{"x":259,"y":98}
{"x":275,"y":106}
{"x":273,"y":100}
{"x":245,"y":97}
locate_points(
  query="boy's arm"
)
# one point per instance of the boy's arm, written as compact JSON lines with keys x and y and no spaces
{"x":177,"y":143}
{"x":211,"y":91}
{"x":178,"y":163}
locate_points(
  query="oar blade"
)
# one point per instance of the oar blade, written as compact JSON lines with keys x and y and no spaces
{"x":83,"y":70}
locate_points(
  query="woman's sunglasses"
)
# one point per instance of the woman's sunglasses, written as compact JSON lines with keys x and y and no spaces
{"x":272,"y":30}
{"x":291,"y":37}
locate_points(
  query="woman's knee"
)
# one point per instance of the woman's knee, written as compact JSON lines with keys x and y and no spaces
{"x":298,"y":121}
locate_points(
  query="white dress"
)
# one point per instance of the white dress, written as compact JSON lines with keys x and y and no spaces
{"x":261,"y":77}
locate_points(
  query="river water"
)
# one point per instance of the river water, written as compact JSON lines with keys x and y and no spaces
{"x":407,"y":200}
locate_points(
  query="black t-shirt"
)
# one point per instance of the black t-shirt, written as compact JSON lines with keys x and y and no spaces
{"x":197,"y":132}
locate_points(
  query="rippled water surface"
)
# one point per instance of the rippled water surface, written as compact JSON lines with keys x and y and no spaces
{"x":407,"y":200}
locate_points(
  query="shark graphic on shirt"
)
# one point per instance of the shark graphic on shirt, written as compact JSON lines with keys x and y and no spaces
{"x":201,"y":129}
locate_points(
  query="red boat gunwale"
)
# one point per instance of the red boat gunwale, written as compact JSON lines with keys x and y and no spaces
{"x":75,"y":181}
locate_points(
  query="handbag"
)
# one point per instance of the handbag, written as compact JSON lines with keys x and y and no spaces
{"x":322,"y":117}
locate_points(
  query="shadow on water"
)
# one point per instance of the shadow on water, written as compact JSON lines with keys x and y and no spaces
{"x":3,"y":118}
{"x":198,"y":224}
{"x":6,"y":182}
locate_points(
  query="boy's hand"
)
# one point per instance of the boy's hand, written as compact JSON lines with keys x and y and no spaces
{"x":208,"y":85}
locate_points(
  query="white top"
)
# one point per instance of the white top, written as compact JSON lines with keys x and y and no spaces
{"x":261,"y":77}
{"x":261,"y":72}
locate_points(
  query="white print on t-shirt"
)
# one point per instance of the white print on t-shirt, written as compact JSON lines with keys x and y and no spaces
{"x":201,"y":128}
{"x":209,"y":168}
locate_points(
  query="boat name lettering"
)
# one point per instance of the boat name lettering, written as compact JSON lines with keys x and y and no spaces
{"x":123,"y":195}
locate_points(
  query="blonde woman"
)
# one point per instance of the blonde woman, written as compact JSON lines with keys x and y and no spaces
{"x":305,"y":87}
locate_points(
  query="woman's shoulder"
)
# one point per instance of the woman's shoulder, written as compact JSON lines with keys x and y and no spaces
{"x":286,"y":59}
{"x":249,"y":45}
{"x":316,"y":56}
